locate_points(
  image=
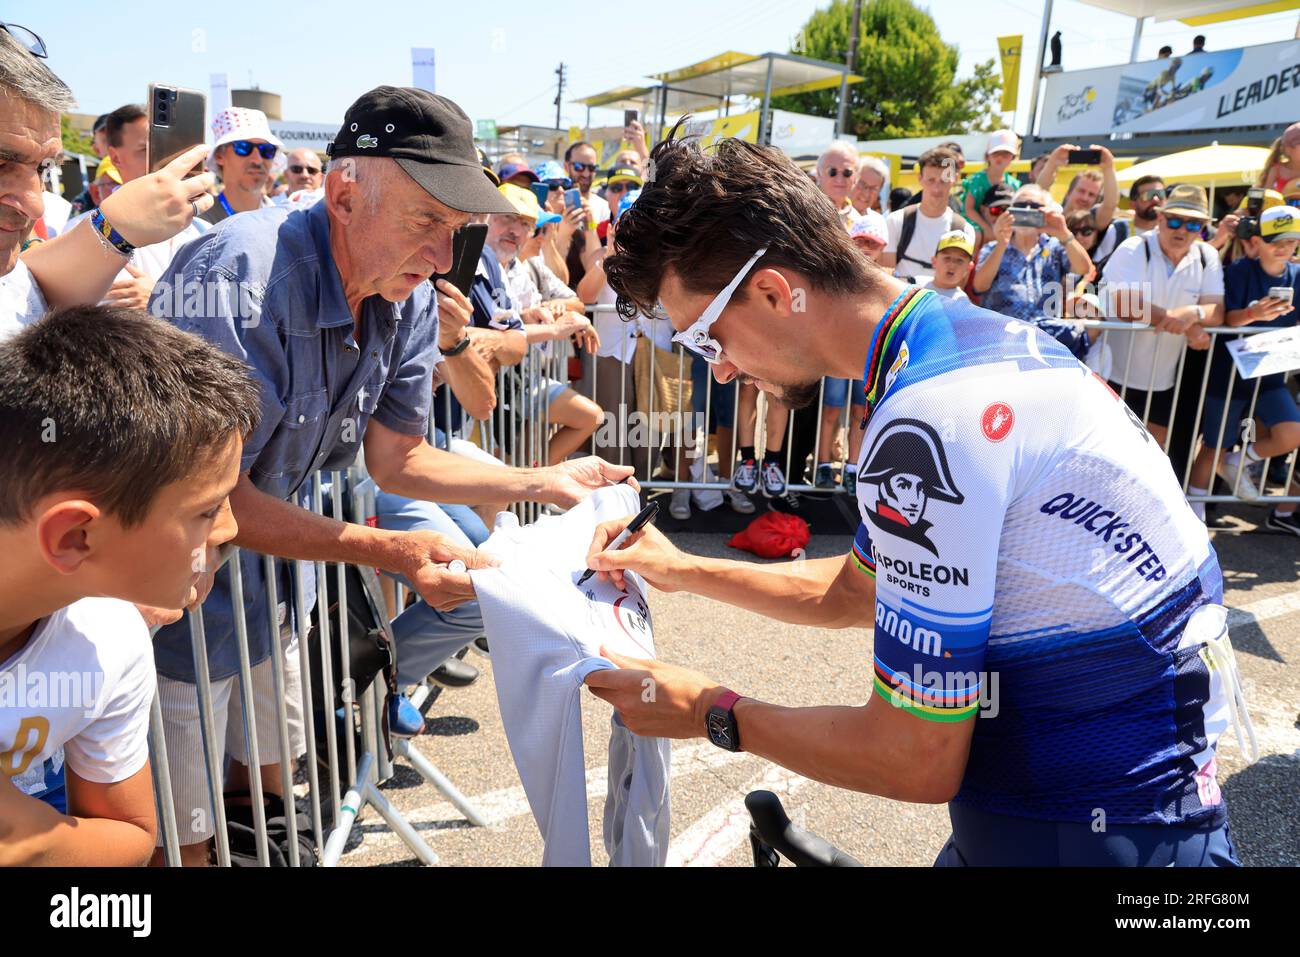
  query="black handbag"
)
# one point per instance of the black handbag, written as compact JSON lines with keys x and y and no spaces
{"x":370,"y":647}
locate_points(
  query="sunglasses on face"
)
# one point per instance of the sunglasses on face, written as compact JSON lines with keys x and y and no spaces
{"x":846,"y":173}
{"x":582,"y":167}
{"x":313,"y":170}
{"x":697,"y":339}
{"x":557,"y":185}
{"x":1177,"y":222}
{"x":244,"y":147}
{"x":1293,"y":201}
{"x":1083,"y":230}
{"x":1147,"y":195}
{"x":1031,"y":204}
{"x":618,"y":187}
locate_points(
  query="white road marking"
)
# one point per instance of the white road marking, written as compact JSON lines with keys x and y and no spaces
{"x":505,"y":804}
{"x":1264,"y":609}
{"x":709,"y":841}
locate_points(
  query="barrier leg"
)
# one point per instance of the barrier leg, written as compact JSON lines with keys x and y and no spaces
{"x":430,"y":773}
{"x":353,"y":801}
{"x":162,"y":785}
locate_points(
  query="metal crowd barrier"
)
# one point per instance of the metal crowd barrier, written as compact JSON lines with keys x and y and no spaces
{"x":365,"y":771}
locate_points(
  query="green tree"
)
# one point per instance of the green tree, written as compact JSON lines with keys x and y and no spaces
{"x":911,"y":86}
{"x":74,"y":142}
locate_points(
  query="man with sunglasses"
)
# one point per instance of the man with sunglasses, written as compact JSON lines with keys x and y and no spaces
{"x":1171,"y":280}
{"x":243,"y":153}
{"x":305,"y":171}
{"x":837,"y":171}
{"x":1040,"y":593}
{"x":1147,"y":194}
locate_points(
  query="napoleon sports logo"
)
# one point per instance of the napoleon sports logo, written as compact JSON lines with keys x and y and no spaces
{"x":910,"y":468}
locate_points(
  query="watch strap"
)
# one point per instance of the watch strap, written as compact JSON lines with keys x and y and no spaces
{"x":727,"y":700}
{"x":458,"y":348}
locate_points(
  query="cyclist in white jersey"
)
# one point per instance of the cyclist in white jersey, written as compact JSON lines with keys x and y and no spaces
{"x":1050,"y":648}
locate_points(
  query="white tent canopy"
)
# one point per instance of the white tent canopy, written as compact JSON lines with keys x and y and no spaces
{"x":1185,"y":9}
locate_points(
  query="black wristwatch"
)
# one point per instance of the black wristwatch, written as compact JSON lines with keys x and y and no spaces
{"x":720,"y":723}
{"x":457,"y":349}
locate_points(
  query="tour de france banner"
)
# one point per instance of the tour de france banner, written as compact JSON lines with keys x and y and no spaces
{"x":1248,"y":86}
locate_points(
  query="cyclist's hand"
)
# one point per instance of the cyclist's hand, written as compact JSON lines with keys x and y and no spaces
{"x":655,"y":699}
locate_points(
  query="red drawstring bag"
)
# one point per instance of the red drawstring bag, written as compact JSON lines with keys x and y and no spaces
{"x":772,"y":535}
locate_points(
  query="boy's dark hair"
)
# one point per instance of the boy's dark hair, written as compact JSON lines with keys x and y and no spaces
{"x":106,"y":400}
{"x":939,"y":156}
{"x":121,"y":116}
{"x":706,"y":213}
{"x":1139,"y":184}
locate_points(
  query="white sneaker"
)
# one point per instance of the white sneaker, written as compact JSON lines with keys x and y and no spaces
{"x":1246,"y":488}
{"x":740,"y":502}
{"x":680,"y":506}
{"x":773,"y":480}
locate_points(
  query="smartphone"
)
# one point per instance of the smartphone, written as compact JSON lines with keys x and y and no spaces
{"x":1025,"y":216}
{"x":630,"y":117}
{"x":572,"y":198}
{"x":175,"y":123}
{"x":466,"y":250}
{"x":1084,"y":157}
{"x":1281,"y":292}
{"x":541,"y":191}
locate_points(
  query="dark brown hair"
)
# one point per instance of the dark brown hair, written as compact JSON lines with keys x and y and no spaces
{"x":107,"y":400}
{"x":703,"y":214}
{"x":119,"y":118}
{"x":939,"y":156}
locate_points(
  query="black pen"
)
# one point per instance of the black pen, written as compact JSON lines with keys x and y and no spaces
{"x":643,"y":517}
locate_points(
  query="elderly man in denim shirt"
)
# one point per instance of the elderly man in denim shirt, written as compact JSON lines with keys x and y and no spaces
{"x":331,"y":308}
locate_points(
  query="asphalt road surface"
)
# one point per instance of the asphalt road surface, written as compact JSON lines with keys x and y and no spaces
{"x":804,"y":666}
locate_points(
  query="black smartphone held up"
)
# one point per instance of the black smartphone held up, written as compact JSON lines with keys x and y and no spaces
{"x":466,"y":250}
{"x":1084,"y":157}
{"x":1026,"y":216}
{"x":630,"y":117}
{"x":175,"y":123}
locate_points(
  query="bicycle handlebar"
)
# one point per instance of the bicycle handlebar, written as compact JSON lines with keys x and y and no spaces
{"x":772,"y":825}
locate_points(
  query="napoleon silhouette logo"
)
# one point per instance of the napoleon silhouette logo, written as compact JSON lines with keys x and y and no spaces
{"x":910,"y":468}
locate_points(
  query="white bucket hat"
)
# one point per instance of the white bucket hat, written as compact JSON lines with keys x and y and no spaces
{"x":241,"y":123}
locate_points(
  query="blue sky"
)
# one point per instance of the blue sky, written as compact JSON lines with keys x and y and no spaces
{"x":498,"y":60}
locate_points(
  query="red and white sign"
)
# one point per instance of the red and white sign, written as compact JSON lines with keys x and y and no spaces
{"x":997,"y":421}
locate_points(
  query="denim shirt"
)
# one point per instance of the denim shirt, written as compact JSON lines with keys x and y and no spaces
{"x":263,"y":286}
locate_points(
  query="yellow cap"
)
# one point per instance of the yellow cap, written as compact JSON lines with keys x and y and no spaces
{"x":523,"y":200}
{"x":956,"y":239}
{"x":106,"y":168}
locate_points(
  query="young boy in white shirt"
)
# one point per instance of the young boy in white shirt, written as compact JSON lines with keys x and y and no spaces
{"x":953,"y":258}
{"x":122,"y":438}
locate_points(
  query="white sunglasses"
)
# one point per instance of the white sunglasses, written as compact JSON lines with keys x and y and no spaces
{"x":696,"y":339}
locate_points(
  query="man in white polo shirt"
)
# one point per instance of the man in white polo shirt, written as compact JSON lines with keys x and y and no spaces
{"x":1170,"y":279}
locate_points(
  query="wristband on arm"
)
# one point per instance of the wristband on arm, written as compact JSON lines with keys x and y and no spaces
{"x":109,"y":236}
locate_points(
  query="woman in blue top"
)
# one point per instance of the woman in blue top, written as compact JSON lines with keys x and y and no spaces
{"x":1022,"y":271}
